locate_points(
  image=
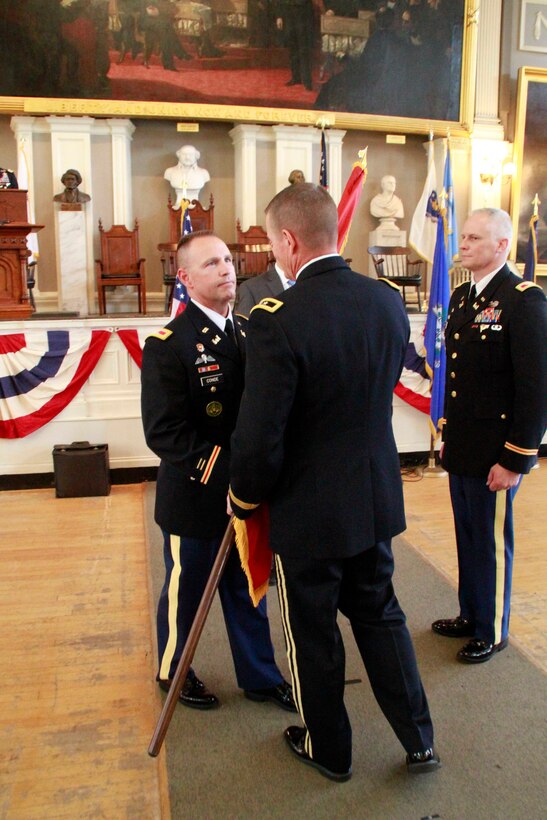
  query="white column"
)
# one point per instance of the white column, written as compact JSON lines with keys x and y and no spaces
{"x":244,"y":138}
{"x":335,"y":139}
{"x":122,"y":134}
{"x":293,"y":149}
{"x":23,"y":128}
{"x":71,"y":148}
{"x":488,"y":62}
{"x":488,"y":148}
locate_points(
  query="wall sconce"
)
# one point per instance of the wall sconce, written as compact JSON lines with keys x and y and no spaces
{"x":487,"y":178}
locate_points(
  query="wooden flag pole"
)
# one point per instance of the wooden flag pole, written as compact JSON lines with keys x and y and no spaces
{"x":193,"y":638}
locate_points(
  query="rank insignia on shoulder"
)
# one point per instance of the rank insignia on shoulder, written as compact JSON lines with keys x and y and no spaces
{"x":269,"y":304}
{"x":391,"y":284}
{"x":162,"y":334}
{"x":522,"y":286}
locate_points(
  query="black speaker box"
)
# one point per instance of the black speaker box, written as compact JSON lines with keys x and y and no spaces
{"x":81,"y":469}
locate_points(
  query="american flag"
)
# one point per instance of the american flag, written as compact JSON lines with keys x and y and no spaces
{"x":180,"y":294}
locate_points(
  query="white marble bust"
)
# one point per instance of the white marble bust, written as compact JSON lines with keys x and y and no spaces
{"x":187,"y":178}
{"x":387,"y":205}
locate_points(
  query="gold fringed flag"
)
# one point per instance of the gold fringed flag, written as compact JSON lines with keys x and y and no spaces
{"x":350,"y":199}
{"x":253,"y":545}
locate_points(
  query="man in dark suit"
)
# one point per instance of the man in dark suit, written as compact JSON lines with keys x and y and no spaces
{"x":314,"y":441}
{"x":250,"y":292}
{"x":496,"y":338}
{"x":296,"y":19}
{"x":192,"y":381}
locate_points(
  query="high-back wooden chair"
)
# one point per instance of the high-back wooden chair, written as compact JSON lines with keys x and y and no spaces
{"x":392,"y":263}
{"x":254,"y":235}
{"x":202,"y":219}
{"x":251,"y":259}
{"x":120,"y":263}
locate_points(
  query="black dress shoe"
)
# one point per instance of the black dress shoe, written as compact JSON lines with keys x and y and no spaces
{"x":454,"y":627}
{"x":477,"y":651}
{"x":194,"y":693}
{"x":295,"y":737}
{"x":423,"y":762}
{"x":281,"y":695}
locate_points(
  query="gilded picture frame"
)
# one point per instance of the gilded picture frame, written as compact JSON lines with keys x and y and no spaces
{"x":404,"y":110}
{"x":531,"y":164}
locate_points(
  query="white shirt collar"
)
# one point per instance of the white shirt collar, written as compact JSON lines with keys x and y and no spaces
{"x":282,"y":278}
{"x":219,"y":321}
{"x":480,"y":286}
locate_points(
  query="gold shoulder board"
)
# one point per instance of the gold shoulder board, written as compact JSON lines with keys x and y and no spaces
{"x":522,"y":286}
{"x":391,"y":284}
{"x":269,"y":304}
{"x":160,"y":334}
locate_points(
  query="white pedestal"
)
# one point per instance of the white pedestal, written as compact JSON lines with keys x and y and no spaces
{"x":387,"y":234}
{"x":72,"y":258}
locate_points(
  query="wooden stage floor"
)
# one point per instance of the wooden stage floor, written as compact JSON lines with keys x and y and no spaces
{"x":78,"y":703}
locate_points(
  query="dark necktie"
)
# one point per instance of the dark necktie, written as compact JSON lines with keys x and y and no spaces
{"x":471,"y":298}
{"x":230,"y":333}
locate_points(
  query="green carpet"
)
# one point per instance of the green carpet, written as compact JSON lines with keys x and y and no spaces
{"x":489,"y":722}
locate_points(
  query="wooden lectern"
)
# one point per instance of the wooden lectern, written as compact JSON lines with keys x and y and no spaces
{"x":14,"y":229}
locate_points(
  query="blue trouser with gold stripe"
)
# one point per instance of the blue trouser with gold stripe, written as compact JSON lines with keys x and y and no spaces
{"x":484,"y":536}
{"x":311,"y":592}
{"x":188,"y":564}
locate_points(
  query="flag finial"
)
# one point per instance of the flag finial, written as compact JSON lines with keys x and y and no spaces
{"x":536,"y":202}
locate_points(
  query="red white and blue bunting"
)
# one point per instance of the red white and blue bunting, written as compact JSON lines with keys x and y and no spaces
{"x":41,"y":371}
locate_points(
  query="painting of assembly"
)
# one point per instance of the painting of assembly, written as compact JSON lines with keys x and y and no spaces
{"x":340,"y":55}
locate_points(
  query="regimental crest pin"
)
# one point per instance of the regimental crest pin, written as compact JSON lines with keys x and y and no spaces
{"x":213,"y":409}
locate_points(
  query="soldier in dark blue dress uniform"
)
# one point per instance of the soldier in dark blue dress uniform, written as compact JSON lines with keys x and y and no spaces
{"x":192,"y":381}
{"x":314,"y":441}
{"x":495,"y":415}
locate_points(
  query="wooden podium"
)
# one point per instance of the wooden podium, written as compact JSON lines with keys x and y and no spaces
{"x":14,"y":229}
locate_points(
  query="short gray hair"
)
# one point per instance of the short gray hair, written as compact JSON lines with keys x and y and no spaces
{"x":500,"y":219}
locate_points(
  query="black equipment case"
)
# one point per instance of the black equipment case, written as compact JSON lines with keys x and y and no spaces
{"x":81,"y":469}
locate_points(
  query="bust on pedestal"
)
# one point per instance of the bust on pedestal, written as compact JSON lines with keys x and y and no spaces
{"x":387,"y":207}
{"x":187,"y":178}
{"x":72,"y":245}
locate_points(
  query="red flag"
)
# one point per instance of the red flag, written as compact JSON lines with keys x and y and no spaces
{"x":253,"y":545}
{"x":350,"y":199}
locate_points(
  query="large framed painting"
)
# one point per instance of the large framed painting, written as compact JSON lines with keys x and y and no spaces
{"x":401,"y":66}
{"x":531,"y":164}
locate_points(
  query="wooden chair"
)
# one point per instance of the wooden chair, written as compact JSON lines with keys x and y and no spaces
{"x":120,"y":263}
{"x":254,"y":235}
{"x":251,"y":259}
{"x":459,"y":275}
{"x":202,"y":220}
{"x":392,"y":263}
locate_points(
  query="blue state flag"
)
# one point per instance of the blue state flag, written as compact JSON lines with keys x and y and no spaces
{"x":180,"y":294}
{"x":452,"y":245}
{"x":435,"y":325}
{"x":531,"y":258}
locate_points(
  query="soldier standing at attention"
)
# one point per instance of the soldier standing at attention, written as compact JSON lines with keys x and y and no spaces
{"x":495,"y":413}
{"x":192,"y":381}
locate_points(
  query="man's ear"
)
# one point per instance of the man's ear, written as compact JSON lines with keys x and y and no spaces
{"x":185,"y":277}
{"x":289,"y":238}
